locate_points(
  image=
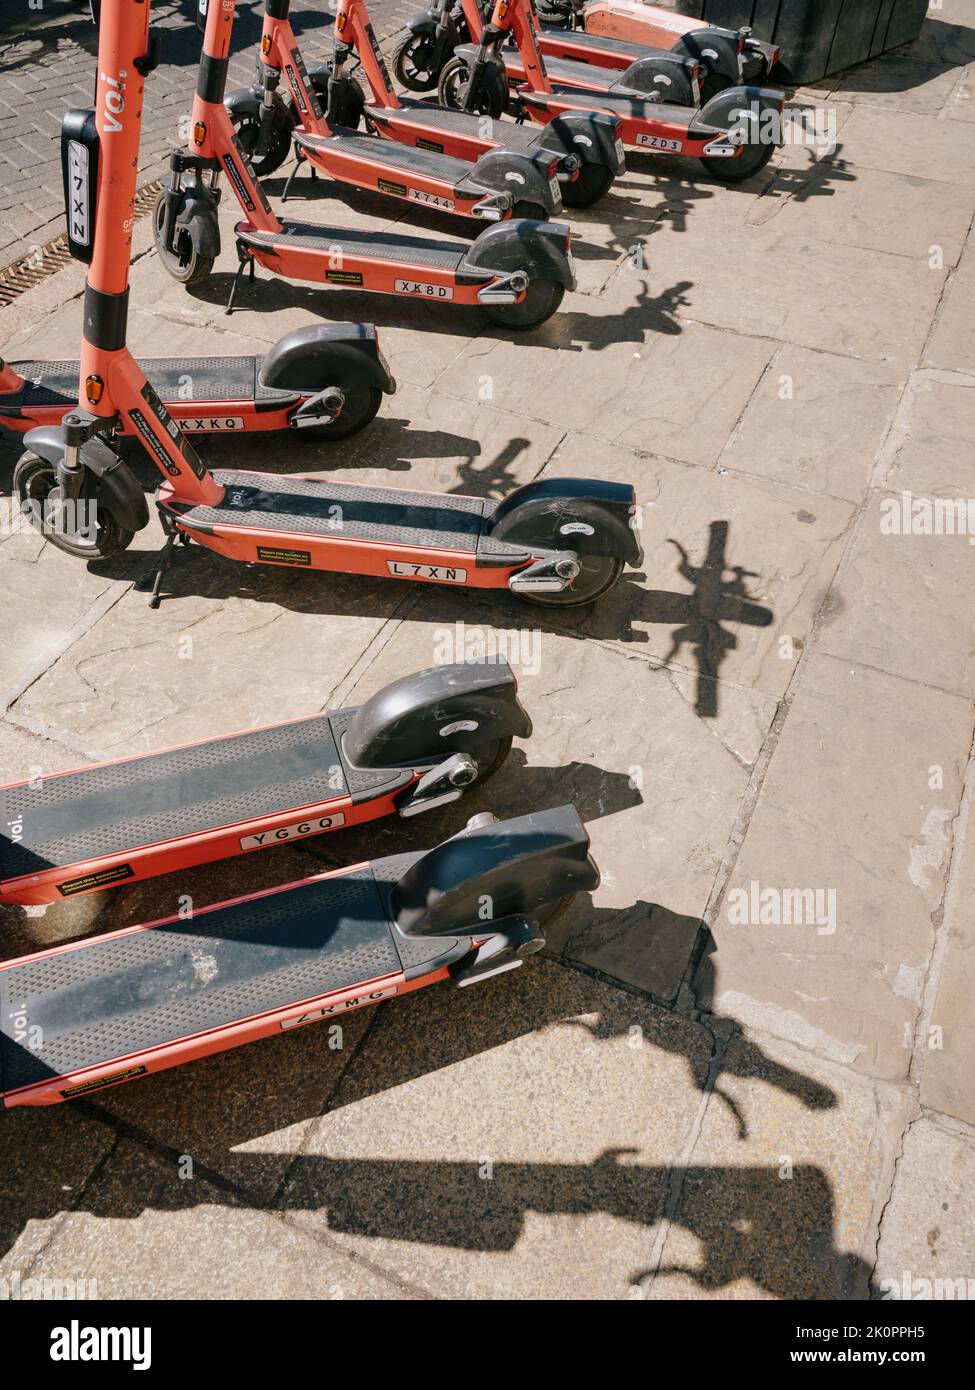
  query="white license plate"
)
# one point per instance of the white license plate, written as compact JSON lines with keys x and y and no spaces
{"x":658,"y":142}
{"x":619,"y":149}
{"x":553,"y":184}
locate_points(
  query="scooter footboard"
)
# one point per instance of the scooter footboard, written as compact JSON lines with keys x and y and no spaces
{"x":593,"y":138}
{"x":464,"y":707}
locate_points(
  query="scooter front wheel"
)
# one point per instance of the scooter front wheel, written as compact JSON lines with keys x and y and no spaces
{"x":413,"y":62}
{"x":490,"y":99}
{"x":753,"y":158}
{"x":597,"y":575}
{"x":187,"y":265}
{"x":37,"y":490}
{"x":360,"y":408}
{"x":593,"y":183}
{"x":542,"y":299}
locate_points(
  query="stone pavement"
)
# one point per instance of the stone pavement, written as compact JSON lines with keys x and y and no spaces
{"x":47,"y":50}
{"x":744,"y":1067}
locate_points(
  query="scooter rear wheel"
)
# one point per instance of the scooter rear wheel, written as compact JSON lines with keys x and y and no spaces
{"x":541,"y":301}
{"x":412,"y":62}
{"x":188,"y":267}
{"x":36,"y":488}
{"x":248,"y":130}
{"x":597,"y":575}
{"x":752,"y":159}
{"x":593,"y":182}
{"x":361,"y":406}
{"x":490,"y":99}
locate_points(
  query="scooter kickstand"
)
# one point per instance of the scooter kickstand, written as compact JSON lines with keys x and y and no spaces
{"x":244,"y":260}
{"x":300,"y":159}
{"x":164,"y":557}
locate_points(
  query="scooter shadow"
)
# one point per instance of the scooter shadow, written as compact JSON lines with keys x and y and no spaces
{"x":568,"y":329}
{"x":748,"y":1223}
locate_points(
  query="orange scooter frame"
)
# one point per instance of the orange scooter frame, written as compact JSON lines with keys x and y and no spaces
{"x":517,"y":270}
{"x":552,"y":541}
{"x":418,"y":743}
{"x":492,"y":185}
{"x":582,"y":152}
{"x":97,"y":1013}
{"x":734,"y":134}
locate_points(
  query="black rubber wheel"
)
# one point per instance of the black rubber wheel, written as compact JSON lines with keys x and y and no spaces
{"x":535,"y":211}
{"x":753,"y":158}
{"x":594,"y":181}
{"x":599,"y":574}
{"x":490,"y":99}
{"x":36,"y":486}
{"x":412,"y":62}
{"x":713,"y":84}
{"x":541,"y":301}
{"x":248,"y":128}
{"x":187,"y":267}
{"x":361,"y":405}
{"x":491,"y":759}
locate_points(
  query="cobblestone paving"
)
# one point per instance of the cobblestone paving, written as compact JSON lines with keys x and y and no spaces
{"x":46,"y":67}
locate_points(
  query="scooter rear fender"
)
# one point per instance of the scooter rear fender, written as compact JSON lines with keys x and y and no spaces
{"x":588,"y":516}
{"x":540,"y":248}
{"x":426,"y":716}
{"x":327,"y":354}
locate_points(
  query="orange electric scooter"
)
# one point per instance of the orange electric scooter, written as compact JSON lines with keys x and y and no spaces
{"x":327,"y":380}
{"x":117,"y":1007}
{"x":552,"y":541}
{"x":418,"y":743}
{"x":517,"y":270}
{"x":734,"y":135}
{"x":584,"y":146}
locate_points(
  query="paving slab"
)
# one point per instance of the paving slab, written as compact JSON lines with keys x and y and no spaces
{"x":844,"y":302}
{"x":952,"y":343}
{"x":49,"y":1156}
{"x":735,"y":570}
{"x":787,"y":1181}
{"x":928,"y":1234}
{"x":946,"y":1039}
{"x":659,"y":846}
{"x":900,"y":601}
{"x":550,"y":1110}
{"x":921,"y":146}
{"x":898,"y":214}
{"x":818,"y":420}
{"x":841,"y":974}
{"x":930,"y":453}
{"x":145,"y":1231}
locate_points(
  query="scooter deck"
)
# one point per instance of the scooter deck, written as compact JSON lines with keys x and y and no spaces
{"x":396,"y":158}
{"x":579,"y":39}
{"x":522,"y":138}
{"x":226,"y":380}
{"x":373,"y":515}
{"x":92,"y":827}
{"x":355,"y":245}
{"x":621,"y":104}
{"x":115,"y":1007}
{"x":570,"y":70}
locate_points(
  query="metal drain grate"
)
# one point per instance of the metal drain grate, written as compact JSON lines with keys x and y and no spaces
{"x":23,"y":275}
